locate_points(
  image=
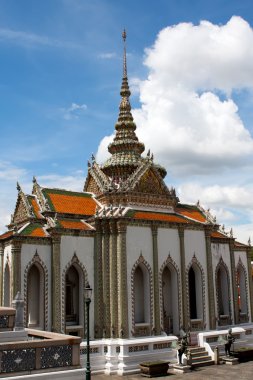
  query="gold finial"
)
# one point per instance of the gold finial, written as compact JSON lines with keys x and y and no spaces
{"x":124,"y":55}
{"x":124,"y":35}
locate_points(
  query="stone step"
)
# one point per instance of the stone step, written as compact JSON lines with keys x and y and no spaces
{"x":198,"y":354}
{"x":201,"y":358}
{"x":202,"y":364}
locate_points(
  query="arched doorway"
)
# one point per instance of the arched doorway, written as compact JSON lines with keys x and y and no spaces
{"x":141,"y":289}
{"x":170,"y":300}
{"x":242,"y":293}
{"x":195,"y":301}
{"x":72,"y":294}
{"x":223,"y":299}
{"x":35,"y":297}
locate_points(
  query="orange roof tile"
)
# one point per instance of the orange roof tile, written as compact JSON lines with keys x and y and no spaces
{"x":159,"y":216}
{"x":217,"y":234}
{"x":33,"y":229}
{"x":38,"y":232}
{"x":192,"y":213}
{"x":74,"y":224}
{"x":67,"y":202}
{"x":6,"y":235}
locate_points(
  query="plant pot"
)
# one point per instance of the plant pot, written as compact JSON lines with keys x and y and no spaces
{"x":154,"y":369}
{"x":243,"y":354}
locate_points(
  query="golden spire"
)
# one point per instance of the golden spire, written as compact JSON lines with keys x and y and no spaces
{"x":126,"y":149}
{"x":124,"y":56}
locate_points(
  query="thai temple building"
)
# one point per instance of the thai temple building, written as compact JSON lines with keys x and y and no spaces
{"x":155,"y":265}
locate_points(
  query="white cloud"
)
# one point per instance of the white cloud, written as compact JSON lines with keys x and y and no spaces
{"x":73,"y":182}
{"x":74,"y":111}
{"x":134,"y":84}
{"x":216,"y":195}
{"x":183,"y":120}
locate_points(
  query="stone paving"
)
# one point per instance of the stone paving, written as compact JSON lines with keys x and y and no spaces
{"x":242,"y":371}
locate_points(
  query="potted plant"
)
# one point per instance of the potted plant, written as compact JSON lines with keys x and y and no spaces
{"x":243,"y":354}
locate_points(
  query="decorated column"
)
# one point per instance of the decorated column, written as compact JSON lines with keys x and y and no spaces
{"x":16,"y":268}
{"x":98,"y":282}
{"x":233,"y":280}
{"x":106,"y":279}
{"x":184,"y":319}
{"x":250,"y":282}
{"x":56,"y":285}
{"x":157,"y":325}
{"x":113,"y":279}
{"x":210,"y":281}
{"x":122,"y":281}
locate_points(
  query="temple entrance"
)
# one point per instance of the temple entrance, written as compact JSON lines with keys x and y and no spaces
{"x":141,"y":301}
{"x":170,"y":300}
{"x":223,"y":296}
{"x":242,"y":294}
{"x":35,"y":297}
{"x":195,"y":297}
{"x":72,"y":297}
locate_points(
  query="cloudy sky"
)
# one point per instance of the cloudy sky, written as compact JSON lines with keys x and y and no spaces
{"x":190,"y":68}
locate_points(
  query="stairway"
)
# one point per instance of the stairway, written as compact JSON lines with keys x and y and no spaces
{"x":200,"y":357}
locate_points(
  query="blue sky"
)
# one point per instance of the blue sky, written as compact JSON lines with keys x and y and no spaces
{"x":61,"y":68}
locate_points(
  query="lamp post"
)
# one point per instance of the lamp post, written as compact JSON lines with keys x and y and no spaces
{"x":87,"y":299}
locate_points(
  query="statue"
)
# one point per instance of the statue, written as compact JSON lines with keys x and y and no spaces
{"x":182,"y":348}
{"x":229,"y":340}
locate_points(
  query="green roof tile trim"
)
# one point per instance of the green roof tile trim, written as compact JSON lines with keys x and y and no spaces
{"x":30,"y":228}
{"x":130,"y":213}
{"x":47,"y":191}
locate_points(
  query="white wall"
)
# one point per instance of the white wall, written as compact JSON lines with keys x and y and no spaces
{"x":168,"y":243}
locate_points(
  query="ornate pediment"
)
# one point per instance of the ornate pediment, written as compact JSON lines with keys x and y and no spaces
{"x":150,"y":183}
{"x":23,"y":210}
{"x":91,"y":185}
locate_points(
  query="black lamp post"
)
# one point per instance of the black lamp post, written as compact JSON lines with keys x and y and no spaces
{"x":87,"y":299}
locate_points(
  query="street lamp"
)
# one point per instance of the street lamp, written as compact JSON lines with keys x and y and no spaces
{"x":87,"y":300}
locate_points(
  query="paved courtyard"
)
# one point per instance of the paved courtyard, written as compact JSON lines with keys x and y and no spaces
{"x":243,"y":371}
